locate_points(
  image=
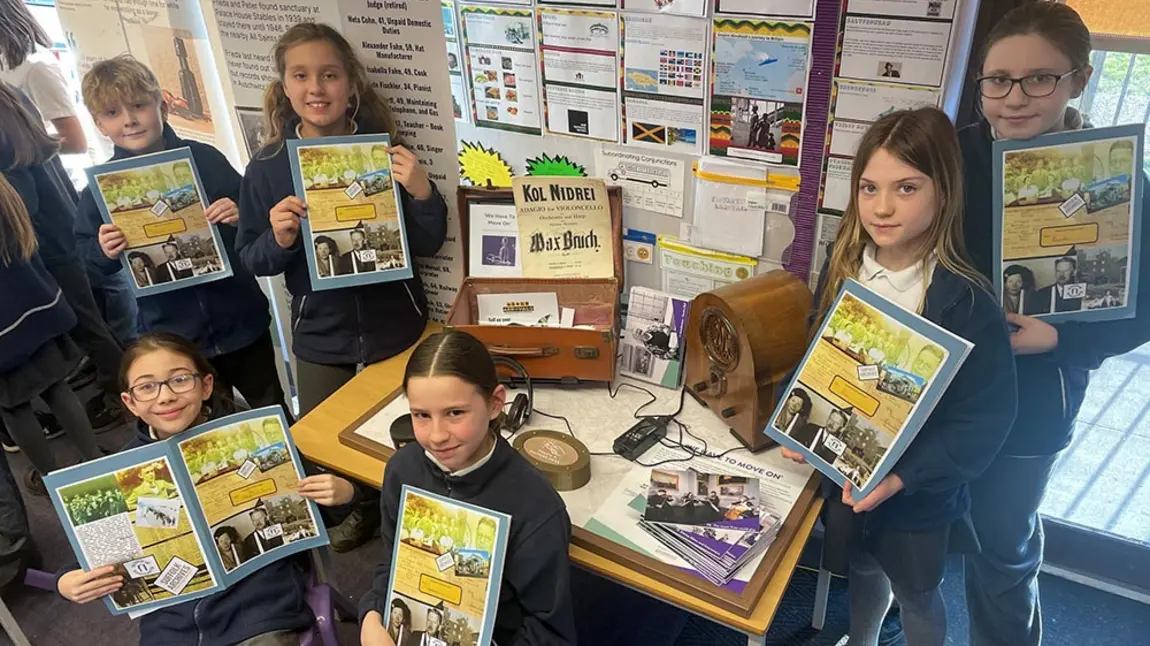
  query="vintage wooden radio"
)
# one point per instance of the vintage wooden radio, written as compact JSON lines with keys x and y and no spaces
{"x":742,"y":340}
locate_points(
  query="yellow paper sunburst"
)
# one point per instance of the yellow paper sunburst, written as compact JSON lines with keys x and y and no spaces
{"x":483,"y":167}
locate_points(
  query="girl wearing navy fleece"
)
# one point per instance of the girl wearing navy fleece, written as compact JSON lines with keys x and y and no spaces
{"x":1036,"y":59}
{"x":901,"y":237}
{"x":36,"y":353}
{"x":323,"y":90}
{"x":456,"y":408}
{"x":168,"y":384}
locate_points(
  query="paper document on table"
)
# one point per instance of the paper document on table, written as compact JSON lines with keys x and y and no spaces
{"x":537,"y":309}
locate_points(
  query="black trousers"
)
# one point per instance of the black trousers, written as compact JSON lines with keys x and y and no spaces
{"x":91,"y":332}
{"x":252,"y":371}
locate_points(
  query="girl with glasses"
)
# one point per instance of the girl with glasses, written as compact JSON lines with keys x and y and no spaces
{"x":1034,"y":62}
{"x":169,"y":385}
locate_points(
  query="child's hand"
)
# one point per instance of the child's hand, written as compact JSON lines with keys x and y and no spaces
{"x":407,"y":170}
{"x":373,"y":633}
{"x":889,"y":486}
{"x":112,"y":240}
{"x":285,"y":220}
{"x":793,"y":455}
{"x":79,"y":586}
{"x":326,"y":489}
{"x":1033,"y":335}
{"x":223,"y":211}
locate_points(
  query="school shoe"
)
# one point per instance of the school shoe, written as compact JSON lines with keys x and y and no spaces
{"x":102,"y":416}
{"x":356,"y":529}
{"x":48,"y":424}
{"x":34,"y":483}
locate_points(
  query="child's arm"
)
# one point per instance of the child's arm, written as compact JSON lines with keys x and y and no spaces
{"x":540,"y":576}
{"x":424,"y":211}
{"x":79,"y":586}
{"x":257,"y":241}
{"x":974,"y":416}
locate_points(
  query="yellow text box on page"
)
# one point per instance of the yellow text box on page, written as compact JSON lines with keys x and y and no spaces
{"x":440,"y":589}
{"x":252,"y":491}
{"x":165,"y":228}
{"x":1069,"y":235}
{"x":855,"y":396}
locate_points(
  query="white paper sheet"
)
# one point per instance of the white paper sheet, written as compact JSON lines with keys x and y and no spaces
{"x":493,"y":240}
{"x":649,"y":182}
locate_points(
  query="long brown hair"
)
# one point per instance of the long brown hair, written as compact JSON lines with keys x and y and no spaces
{"x":17,"y":237}
{"x":19,"y":34}
{"x":925,"y":139}
{"x":455,"y":354}
{"x":1059,"y":24}
{"x":23,"y":140}
{"x":370,"y":110}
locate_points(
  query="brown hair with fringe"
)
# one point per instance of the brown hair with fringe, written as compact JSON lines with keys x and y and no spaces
{"x":121,"y":79}
{"x":455,"y":354}
{"x":155,"y":341}
{"x":1059,"y":24}
{"x":370,"y":110}
{"x":925,"y":139}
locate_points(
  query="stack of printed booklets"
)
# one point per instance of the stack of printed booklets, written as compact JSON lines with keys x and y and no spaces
{"x":713,"y":521}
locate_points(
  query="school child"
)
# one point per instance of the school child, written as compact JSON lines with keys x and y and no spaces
{"x":1035,"y":60}
{"x":322,"y":89}
{"x":456,"y":405}
{"x":228,"y":319}
{"x":37,"y":177}
{"x":901,"y":237}
{"x":168,"y":385}
{"x":36,"y":352}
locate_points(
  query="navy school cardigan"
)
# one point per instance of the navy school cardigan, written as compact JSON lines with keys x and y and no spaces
{"x":219,"y":317}
{"x":353,"y":325}
{"x":1051,"y":386}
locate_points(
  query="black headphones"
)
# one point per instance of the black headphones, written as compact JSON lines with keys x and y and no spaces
{"x":523,"y":403}
{"x":516,"y":416}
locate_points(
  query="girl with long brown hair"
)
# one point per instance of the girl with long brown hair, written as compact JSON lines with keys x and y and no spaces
{"x":322,"y":90}
{"x":1033,"y":63}
{"x":901,"y":237}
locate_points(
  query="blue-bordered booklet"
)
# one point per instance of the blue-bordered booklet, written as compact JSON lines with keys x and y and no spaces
{"x":1068,"y":222}
{"x":446,"y":570}
{"x":191,"y":515}
{"x":158,"y":201}
{"x":866,"y":386}
{"x":354,"y":231}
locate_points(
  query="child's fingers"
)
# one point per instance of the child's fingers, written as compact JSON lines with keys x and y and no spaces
{"x":97,"y":584}
{"x":100,"y":592}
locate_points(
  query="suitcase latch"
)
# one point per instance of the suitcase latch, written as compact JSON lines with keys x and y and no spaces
{"x":586,"y":352}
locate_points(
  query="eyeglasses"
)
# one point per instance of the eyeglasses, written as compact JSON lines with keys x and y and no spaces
{"x":150,"y":390}
{"x":1034,"y":86}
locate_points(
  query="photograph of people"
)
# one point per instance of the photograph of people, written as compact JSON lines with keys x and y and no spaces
{"x":143,"y":269}
{"x":399,"y":624}
{"x":228,"y":544}
{"x":796,"y":411}
{"x":1065,"y":275}
{"x":150,"y":486}
{"x":350,"y":262}
{"x":255,"y":544}
{"x":1020,"y":292}
{"x":167,"y":272}
{"x":327,"y":260}
{"x":814,"y":437}
{"x":889,"y":71}
{"x":432,"y":635}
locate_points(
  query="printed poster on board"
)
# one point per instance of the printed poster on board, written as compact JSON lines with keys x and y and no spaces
{"x":580,"y":72}
{"x":159,"y":202}
{"x":502,"y":67}
{"x":186,"y":517}
{"x":354,"y":232}
{"x":866,"y":386}
{"x":565,"y":227}
{"x":759,"y":72}
{"x":1067,"y":232}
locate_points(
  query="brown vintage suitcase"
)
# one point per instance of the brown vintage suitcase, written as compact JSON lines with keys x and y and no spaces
{"x":549,"y":354}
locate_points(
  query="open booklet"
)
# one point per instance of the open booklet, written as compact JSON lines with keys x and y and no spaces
{"x":866,"y":386}
{"x":190,"y":515}
{"x":446,"y":570}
